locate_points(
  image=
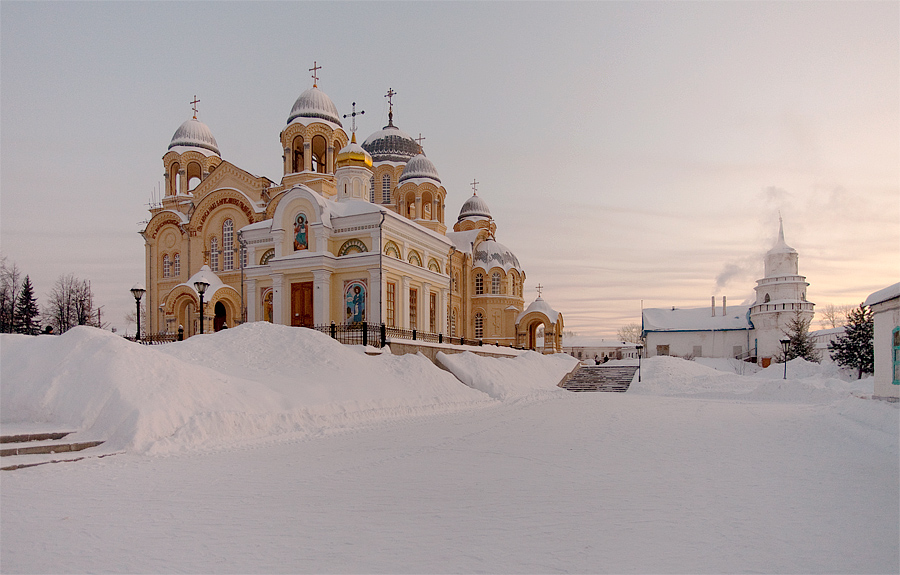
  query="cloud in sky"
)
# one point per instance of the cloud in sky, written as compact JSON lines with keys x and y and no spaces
{"x":629,"y":151}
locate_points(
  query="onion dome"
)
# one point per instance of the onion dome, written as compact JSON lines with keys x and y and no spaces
{"x":314,"y":103}
{"x":491,"y":253}
{"x":353,"y":155}
{"x":474,"y":208}
{"x":419,"y":167}
{"x":391,"y":144}
{"x":194,"y":134}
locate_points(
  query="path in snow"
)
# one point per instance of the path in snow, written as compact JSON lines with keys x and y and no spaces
{"x":571,"y":483}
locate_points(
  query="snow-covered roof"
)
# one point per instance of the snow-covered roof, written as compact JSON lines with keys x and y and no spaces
{"x":539,"y":305}
{"x":695,"y":319}
{"x":474,"y":208}
{"x":314,"y":103}
{"x":194,"y":134}
{"x":463,"y":241}
{"x":209,"y":276}
{"x":781,"y":246}
{"x":391,"y":144}
{"x":419,"y":167}
{"x":263,"y":225}
{"x":883,"y":295}
{"x":491,"y":253}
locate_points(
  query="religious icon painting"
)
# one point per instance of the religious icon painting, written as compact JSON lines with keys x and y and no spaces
{"x":355,"y":292}
{"x":301,"y":227}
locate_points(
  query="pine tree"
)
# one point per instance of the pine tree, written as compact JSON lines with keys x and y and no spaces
{"x":802,"y":345}
{"x":856,"y":347}
{"x":27,"y":312}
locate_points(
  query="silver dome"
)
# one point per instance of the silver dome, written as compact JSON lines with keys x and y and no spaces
{"x":420,"y":167}
{"x":391,"y":144}
{"x":474,"y":207}
{"x":491,"y":253}
{"x":194,"y":134}
{"x":314,"y":103}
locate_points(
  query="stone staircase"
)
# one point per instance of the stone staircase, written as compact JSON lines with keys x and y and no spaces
{"x":601,"y":378}
{"x":39,"y":444}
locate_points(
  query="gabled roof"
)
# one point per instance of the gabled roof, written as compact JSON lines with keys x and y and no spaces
{"x":695,"y":319}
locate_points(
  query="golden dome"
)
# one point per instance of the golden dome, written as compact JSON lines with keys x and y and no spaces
{"x":353,"y":155}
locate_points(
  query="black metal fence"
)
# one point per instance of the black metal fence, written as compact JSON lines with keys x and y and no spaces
{"x":378,"y":335}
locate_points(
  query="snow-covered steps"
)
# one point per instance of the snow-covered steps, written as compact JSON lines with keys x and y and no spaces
{"x":39,"y":444}
{"x":601,"y":378}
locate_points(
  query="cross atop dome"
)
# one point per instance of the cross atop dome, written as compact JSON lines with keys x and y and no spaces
{"x":353,"y":119}
{"x":419,"y":139}
{"x":390,"y":96}
{"x":194,"y":103}
{"x":475,"y":187}
{"x":539,"y":287}
{"x":315,"y":73}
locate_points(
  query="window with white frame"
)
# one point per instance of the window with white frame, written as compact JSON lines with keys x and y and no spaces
{"x":479,"y":284}
{"x":386,"y":189}
{"x":479,"y":326}
{"x":176,"y":265}
{"x":228,"y":244}
{"x":214,"y":253}
{"x":495,"y":283}
{"x":167,"y":266}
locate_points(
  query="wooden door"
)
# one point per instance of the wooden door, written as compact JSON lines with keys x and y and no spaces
{"x":302,"y":304}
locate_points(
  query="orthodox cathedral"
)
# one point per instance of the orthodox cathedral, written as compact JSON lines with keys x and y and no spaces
{"x":353,"y":233}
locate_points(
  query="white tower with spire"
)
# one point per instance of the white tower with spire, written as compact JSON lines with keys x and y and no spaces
{"x":780,"y":296}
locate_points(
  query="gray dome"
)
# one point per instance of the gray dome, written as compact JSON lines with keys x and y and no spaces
{"x":474,"y":207}
{"x":391,"y":144}
{"x":491,"y":253}
{"x":314,"y":103}
{"x":420,"y":167}
{"x":194,"y":134}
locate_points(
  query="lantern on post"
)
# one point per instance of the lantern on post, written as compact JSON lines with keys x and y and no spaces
{"x":785,"y":347}
{"x":138,"y":292}
{"x":201,"y":285}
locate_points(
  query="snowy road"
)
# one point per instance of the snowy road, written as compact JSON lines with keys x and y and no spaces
{"x":585,"y":482}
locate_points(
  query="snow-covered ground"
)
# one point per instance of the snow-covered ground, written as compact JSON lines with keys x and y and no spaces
{"x":271,"y":449}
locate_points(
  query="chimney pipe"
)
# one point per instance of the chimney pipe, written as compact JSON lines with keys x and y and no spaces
{"x":724,"y":308}
{"x":714,"y":306}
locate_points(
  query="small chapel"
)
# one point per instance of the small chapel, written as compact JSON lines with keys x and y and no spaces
{"x":352,"y":234}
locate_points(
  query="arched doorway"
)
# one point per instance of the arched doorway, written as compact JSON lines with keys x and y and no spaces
{"x":219,"y":321}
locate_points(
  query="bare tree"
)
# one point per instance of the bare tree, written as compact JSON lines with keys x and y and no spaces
{"x":70,"y":303}
{"x":630,"y":333}
{"x":9,"y":295}
{"x":834,"y":315}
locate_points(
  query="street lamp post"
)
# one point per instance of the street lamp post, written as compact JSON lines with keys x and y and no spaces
{"x":640,"y":350}
{"x":785,"y":346}
{"x":201,"y":286}
{"x":138,"y":292}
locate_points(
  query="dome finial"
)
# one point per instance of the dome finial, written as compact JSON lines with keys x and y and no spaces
{"x":194,"y":105}
{"x":475,"y":187}
{"x":419,"y":141}
{"x":315,"y":73}
{"x":353,"y":120}
{"x":390,"y":96}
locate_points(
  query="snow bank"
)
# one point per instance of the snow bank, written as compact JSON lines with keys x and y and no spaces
{"x":527,"y":374}
{"x":242,"y":384}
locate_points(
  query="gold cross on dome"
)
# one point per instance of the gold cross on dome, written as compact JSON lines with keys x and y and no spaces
{"x":539,"y":287}
{"x":194,"y":105}
{"x":390,"y":95}
{"x":315,"y":73}
{"x":475,"y":187}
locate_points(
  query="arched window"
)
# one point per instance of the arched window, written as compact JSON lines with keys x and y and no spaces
{"x":479,"y":284}
{"x":167,"y":266}
{"x":298,"y":154}
{"x":495,"y":283}
{"x":174,"y":180}
{"x":767,"y":299}
{"x":386,"y":189}
{"x":176,"y":271}
{"x":319,"y":151}
{"x":214,"y":253}
{"x":194,"y":173}
{"x":479,"y":326}
{"x":228,"y":243}
{"x":372,"y":189}
{"x":453,"y":323}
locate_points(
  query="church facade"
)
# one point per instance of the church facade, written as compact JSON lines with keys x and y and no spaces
{"x":353,"y":233}
{"x":743,"y":332}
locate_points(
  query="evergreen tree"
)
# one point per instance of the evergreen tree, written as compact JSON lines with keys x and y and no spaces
{"x":802,"y":345}
{"x":856,"y":347}
{"x":26,"y":317}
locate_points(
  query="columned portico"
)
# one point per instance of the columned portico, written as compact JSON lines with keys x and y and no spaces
{"x":278,"y":314}
{"x":404,"y":302}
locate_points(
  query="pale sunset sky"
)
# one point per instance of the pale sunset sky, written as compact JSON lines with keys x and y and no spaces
{"x":629,"y":151}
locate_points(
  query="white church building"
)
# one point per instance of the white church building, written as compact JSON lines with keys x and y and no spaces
{"x":743,"y":332}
